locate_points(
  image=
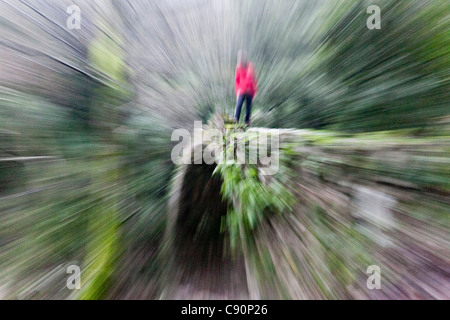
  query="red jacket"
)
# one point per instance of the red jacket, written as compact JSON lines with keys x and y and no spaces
{"x":246,"y":82}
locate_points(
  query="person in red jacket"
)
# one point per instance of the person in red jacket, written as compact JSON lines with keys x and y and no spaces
{"x":246,"y":86}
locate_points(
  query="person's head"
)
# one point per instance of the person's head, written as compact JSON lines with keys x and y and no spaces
{"x":243,"y":59}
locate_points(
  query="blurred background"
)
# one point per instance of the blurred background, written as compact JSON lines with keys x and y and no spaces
{"x":86,"y":176}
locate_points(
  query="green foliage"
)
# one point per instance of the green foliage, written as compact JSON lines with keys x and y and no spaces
{"x":103,"y":250}
{"x":385,"y":76}
{"x":251,"y":200}
{"x":85,"y":151}
{"x":356,"y":79}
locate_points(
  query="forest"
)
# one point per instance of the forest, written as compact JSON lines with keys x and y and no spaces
{"x":87,"y":178}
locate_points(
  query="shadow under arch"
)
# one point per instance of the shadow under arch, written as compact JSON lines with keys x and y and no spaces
{"x":197,"y":256}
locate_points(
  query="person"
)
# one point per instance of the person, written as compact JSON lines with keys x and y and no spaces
{"x":245,"y":86}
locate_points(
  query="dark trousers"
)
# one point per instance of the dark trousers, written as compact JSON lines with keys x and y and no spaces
{"x":248,"y":108}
